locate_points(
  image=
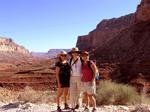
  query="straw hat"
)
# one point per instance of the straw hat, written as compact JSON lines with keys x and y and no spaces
{"x":63,"y":53}
{"x":85,"y":53}
{"x":74,"y":50}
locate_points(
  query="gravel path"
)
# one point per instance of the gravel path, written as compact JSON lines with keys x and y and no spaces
{"x":29,"y":107}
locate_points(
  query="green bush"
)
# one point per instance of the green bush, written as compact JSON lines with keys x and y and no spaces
{"x":117,"y":94}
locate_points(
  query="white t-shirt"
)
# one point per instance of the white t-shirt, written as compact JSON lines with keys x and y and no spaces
{"x":76,"y":67}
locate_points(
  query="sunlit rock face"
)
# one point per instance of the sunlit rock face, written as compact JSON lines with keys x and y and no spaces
{"x":7,"y":45}
{"x":143,"y":11}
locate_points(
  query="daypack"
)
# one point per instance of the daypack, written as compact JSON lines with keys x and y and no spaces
{"x":97,"y":77}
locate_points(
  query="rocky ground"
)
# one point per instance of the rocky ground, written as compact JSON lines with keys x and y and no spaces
{"x":51,"y":107}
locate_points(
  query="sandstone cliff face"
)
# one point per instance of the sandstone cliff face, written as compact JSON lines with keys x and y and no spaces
{"x":104,"y":32}
{"x":132,"y":44}
{"x":7,"y":45}
{"x":127,"y":53}
{"x":12,"y":54}
{"x":131,"y":50}
{"x":143,"y":11}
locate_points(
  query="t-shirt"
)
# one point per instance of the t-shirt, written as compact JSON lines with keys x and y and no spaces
{"x":87,"y":73}
{"x":64,"y":73}
{"x":76,"y":67}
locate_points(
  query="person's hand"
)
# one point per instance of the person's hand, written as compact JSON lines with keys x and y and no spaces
{"x":92,"y":82}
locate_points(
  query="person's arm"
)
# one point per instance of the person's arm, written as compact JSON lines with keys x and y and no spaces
{"x":57,"y":75}
{"x":94,"y":71}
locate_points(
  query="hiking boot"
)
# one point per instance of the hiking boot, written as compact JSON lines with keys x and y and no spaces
{"x":77,"y":106}
{"x":66,"y":106}
{"x":86,"y":109}
{"x":94,"y":110}
{"x":59,"y":109}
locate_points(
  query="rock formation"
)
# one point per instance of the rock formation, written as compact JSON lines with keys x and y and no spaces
{"x":18,"y":68}
{"x":13,"y":54}
{"x":104,"y":32}
{"x":7,"y":45}
{"x":127,"y":52}
{"x":52,"y":53}
{"x":143,"y":11}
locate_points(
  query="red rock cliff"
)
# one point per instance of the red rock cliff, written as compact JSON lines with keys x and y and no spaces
{"x":143,"y":11}
{"x":127,"y":52}
{"x":104,"y":32}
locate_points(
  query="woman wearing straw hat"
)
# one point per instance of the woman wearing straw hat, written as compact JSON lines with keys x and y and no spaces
{"x":63,"y":79}
{"x":75,"y":80}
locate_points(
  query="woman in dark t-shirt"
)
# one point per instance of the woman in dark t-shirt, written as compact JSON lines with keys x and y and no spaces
{"x":63,"y":79}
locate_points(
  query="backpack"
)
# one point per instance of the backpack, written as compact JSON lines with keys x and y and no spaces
{"x":97,"y":77}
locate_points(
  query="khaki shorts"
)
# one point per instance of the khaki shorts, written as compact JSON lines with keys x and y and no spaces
{"x":89,"y":87}
{"x":75,"y":90}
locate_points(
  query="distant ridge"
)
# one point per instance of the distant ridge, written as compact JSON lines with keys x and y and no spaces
{"x":52,"y":53}
{"x":7,"y":45}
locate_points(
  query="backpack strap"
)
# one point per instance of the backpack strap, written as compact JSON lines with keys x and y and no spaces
{"x":74,"y":61}
{"x":70,"y":61}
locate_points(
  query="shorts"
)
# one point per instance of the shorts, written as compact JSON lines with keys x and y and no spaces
{"x":89,"y":88}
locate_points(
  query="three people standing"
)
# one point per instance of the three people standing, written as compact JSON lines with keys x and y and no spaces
{"x":79,"y":74}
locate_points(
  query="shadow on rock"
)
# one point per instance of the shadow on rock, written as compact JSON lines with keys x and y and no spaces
{"x":10,"y":106}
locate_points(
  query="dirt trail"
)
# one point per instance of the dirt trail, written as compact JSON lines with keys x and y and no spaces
{"x":29,"y":107}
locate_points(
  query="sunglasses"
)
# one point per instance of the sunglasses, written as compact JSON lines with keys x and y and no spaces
{"x":63,"y":55}
{"x":75,"y":52}
{"x":84,"y":55}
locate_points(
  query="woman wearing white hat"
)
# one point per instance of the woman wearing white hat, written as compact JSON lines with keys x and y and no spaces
{"x":63,"y":79}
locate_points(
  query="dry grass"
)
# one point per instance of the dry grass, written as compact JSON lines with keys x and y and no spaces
{"x":7,"y":95}
{"x":118,"y":94}
{"x":27,"y":95}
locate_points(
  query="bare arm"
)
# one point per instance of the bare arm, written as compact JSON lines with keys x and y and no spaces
{"x":94,"y":68}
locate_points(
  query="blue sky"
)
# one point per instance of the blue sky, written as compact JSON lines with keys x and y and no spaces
{"x":40,"y":25}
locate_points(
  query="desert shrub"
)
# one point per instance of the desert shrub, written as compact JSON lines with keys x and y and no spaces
{"x":117,"y":94}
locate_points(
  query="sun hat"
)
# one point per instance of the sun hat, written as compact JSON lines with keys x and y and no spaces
{"x":63,"y":53}
{"x":75,"y":50}
{"x":85,"y":53}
